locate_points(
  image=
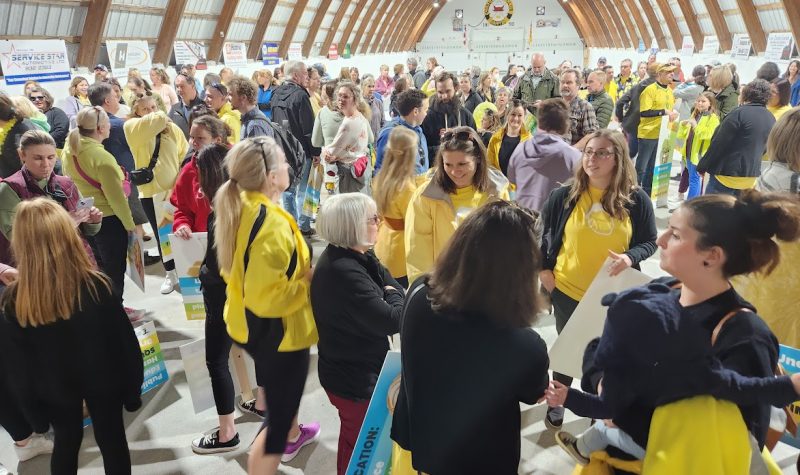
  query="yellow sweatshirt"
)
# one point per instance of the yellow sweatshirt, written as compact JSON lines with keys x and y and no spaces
{"x":141,"y":134}
{"x":234,"y":120}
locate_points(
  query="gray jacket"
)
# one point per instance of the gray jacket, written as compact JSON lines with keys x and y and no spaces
{"x":688,"y":94}
{"x":778,"y":177}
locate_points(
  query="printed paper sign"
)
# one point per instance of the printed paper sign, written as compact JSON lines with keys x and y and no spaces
{"x":295,"y":52}
{"x":741,"y":46}
{"x":135,"y":258}
{"x":373,"y":450}
{"x":661,"y":171}
{"x":155,"y":370}
{"x":234,"y":55}
{"x":269,"y":54}
{"x":789,"y":359}
{"x":586,"y":323}
{"x":190,"y":52}
{"x":687,"y":49}
{"x":165,"y":216}
{"x":188,"y":255}
{"x":710,"y":45}
{"x":779,"y":46}
{"x":128,"y":54}
{"x":333,"y":52}
{"x":38,"y":60}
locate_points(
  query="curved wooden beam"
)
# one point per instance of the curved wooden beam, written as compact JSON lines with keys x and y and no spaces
{"x":619,"y":10}
{"x":652,"y":19}
{"x":337,"y":21}
{"x":351,"y":23}
{"x":672,"y":23}
{"x":753,"y":25}
{"x":598,"y":40}
{"x":389,"y":25}
{"x":291,"y":27}
{"x":720,"y":25}
{"x":619,"y":26}
{"x":578,"y":22}
{"x":168,"y":31}
{"x":409,"y":39}
{"x":594,"y":18}
{"x":405,"y":23}
{"x":261,"y":28}
{"x":615,"y":40}
{"x":93,"y":27}
{"x":691,"y":21}
{"x":221,"y":30}
{"x":381,"y":16}
{"x":792,"y":9}
{"x":365,"y":22}
{"x":641,"y":26}
{"x":427,"y":24}
{"x":311,"y":34}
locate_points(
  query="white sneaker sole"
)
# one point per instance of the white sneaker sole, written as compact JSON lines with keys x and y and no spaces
{"x":288,"y":457}
{"x":218,"y":450}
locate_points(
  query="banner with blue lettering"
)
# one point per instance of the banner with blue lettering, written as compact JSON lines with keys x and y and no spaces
{"x":789,"y":359}
{"x":373,"y":450}
{"x":269,"y":54}
{"x":37,"y":60}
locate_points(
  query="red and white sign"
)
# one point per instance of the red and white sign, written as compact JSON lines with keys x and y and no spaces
{"x":333,"y":52}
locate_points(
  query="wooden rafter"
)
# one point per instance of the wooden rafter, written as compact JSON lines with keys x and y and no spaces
{"x":312,"y":31}
{"x":792,"y":9}
{"x":753,"y":25}
{"x":365,"y":22}
{"x":641,"y":26}
{"x":291,"y":27}
{"x":654,"y":23}
{"x":630,"y":27}
{"x":337,"y":21}
{"x":408,"y":42}
{"x":594,"y":18}
{"x":619,"y":26}
{"x":690,"y":17}
{"x":426,"y":25}
{"x":599,"y":37}
{"x":720,"y":25}
{"x":93,"y":28}
{"x":583,"y":31}
{"x":380,"y":16}
{"x":351,"y":23}
{"x":407,"y":13}
{"x":672,"y":23}
{"x":221,"y":30}
{"x":389,"y":25}
{"x":261,"y":28}
{"x":606,"y":26}
{"x":169,"y":30}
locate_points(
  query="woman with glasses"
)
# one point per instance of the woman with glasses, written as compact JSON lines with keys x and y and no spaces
{"x":357,"y":304}
{"x":505,"y":141}
{"x":260,"y":245}
{"x":462,"y":181}
{"x":97,"y":174}
{"x":160,"y":80}
{"x":348,"y":153}
{"x":601,"y":213}
{"x":217,"y":100}
{"x":58,"y":120}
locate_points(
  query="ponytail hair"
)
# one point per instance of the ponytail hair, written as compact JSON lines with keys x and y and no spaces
{"x":89,"y":119}
{"x":744,"y":228}
{"x":247,"y":163}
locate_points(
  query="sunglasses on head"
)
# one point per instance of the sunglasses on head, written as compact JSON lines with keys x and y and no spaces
{"x":219,"y":87}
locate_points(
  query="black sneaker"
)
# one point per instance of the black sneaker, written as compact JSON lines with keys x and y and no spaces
{"x":210,"y":444}
{"x":569,"y":443}
{"x":250,"y":406}
{"x":308,"y":232}
{"x":554,"y":418}
{"x":150,"y":260}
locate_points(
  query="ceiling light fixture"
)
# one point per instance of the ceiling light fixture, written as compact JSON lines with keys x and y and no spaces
{"x":436,"y":4}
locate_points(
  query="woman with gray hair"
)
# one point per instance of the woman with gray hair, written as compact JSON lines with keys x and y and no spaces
{"x":357,"y":304}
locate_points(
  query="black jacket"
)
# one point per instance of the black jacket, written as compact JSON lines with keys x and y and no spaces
{"x":209,"y":271}
{"x":180,"y":118}
{"x":435,"y":123}
{"x":291,"y":102}
{"x":739,"y":142}
{"x":473,"y":100}
{"x":9,"y":157}
{"x":59,"y":125}
{"x":556,"y":212}
{"x":627,"y":108}
{"x":354,"y":316}
{"x":93,"y":354}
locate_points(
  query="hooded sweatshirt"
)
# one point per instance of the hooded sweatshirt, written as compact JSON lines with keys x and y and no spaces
{"x":540,"y":165}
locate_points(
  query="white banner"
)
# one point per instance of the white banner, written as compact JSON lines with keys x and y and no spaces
{"x":188,"y":255}
{"x":710,"y":45}
{"x":741,"y":46}
{"x":124,"y":55}
{"x":687,"y":48}
{"x":295,"y":52}
{"x":234,"y":55}
{"x":38,"y":60}
{"x":779,"y":46}
{"x":190,"y":52}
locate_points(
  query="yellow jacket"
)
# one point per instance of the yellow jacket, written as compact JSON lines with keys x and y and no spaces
{"x":390,"y":247}
{"x":493,"y":150}
{"x":612,"y":89}
{"x":234,"y":120}
{"x":703,"y":132}
{"x":429,"y":87}
{"x":268,"y":292}
{"x":431,"y":220}
{"x":141,"y":135}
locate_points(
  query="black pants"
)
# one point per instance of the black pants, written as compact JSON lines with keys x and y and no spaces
{"x":150,"y":211}
{"x":11,"y":417}
{"x":218,"y":347}
{"x":112,"y":246}
{"x":563,"y":308}
{"x":109,"y":432}
{"x":283,"y":375}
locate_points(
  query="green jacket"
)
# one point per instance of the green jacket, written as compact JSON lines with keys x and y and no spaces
{"x":727,"y":100}
{"x":603,"y":107}
{"x":548,"y":87}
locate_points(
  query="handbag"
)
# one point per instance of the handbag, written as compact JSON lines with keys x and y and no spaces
{"x":143,"y":176}
{"x":126,"y":183}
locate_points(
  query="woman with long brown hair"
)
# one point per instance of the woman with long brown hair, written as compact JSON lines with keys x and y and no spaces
{"x":160,"y":80}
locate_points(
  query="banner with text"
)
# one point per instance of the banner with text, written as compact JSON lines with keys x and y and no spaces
{"x":125,"y":55}
{"x":234,"y":55}
{"x":191,"y":52}
{"x":295,"y":52}
{"x":37,"y":60}
{"x":155,"y":370}
{"x":269,"y":54}
{"x":780,"y":46}
{"x":741,"y":46}
{"x":189,"y":255}
{"x":710,"y":45}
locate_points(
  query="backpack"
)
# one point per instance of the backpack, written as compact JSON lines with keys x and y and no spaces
{"x":292,"y":147}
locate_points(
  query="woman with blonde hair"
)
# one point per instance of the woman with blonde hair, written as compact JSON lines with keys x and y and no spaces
{"x":97,"y":174}
{"x":485,"y":89}
{"x":78,"y":98}
{"x":160,"y":80}
{"x":29,"y":85}
{"x":505,"y":141}
{"x":392,"y":190}
{"x":348,"y":153}
{"x":273,"y":321}
{"x":601,"y":213}
{"x":159,"y":144}
{"x":374,"y":103}
{"x":12,"y":126}
{"x":266,"y":84}
{"x":28,"y":110}
{"x":720,"y":82}
{"x":48,"y":371}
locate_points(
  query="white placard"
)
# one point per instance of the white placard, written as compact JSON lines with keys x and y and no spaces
{"x":741,"y":46}
{"x":295,"y":52}
{"x":190,"y":52}
{"x":687,"y":48}
{"x":588,"y":319}
{"x":710,"y":45}
{"x":188,"y":255}
{"x":779,"y":46}
{"x":240,"y":365}
{"x":234,"y":55}
{"x":38,"y":60}
{"x":124,"y":55}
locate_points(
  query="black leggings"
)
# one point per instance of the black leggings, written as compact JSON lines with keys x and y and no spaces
{"x":11,"y":417}
{"x":150,"y":211}
{"x":112,"y":246}
{"x":109,"y":432}
{"x":563,"y":308}
{"x":283,"y":375}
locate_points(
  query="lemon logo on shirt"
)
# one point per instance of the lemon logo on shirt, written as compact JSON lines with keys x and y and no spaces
{"x":598,"y":220}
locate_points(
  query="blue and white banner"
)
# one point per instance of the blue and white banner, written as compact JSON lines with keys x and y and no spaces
{"x":37,"y":60}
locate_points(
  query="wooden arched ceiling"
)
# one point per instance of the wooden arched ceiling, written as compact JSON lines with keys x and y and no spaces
{"x":337,"y":21}
{"x":644,"y":32}
{"x":606,"y":7}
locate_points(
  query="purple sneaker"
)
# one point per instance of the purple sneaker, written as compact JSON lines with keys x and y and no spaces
{"x":308,"y":433}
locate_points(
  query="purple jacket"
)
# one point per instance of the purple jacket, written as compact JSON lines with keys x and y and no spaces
{"x":539,"y":165}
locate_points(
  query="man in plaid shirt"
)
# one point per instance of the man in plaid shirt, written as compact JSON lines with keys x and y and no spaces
{"x":583,"y":121}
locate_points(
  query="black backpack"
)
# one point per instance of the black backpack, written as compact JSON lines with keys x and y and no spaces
{"x":292,"y":147}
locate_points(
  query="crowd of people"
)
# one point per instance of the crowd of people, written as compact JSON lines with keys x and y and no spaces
{"x":540,"y":176}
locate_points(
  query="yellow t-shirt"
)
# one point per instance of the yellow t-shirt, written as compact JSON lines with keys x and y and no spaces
{"x":654,"y":97}
{"x":737,"y":182}
{"x":465,"y":200}
{"x":588,"y":236}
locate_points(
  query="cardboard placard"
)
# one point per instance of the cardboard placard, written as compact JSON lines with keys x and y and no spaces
{"x":135,"y":258}
{"x":661,"y":171}
{"x":155,"y":370}
{"x":188,"y":255}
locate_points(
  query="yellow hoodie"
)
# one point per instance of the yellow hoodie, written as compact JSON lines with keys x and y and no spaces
{"x":267,"y":291}
{"x":141,"y":135}
{"x":390,"y":247}
{"x":431,"y":219}
{"x":234,"y":120}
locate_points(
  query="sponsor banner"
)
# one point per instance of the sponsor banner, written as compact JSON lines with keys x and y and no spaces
{"x":295,"y":52}
{"x":687,"y":48}
{"x":190,"y":52}
{"x":234,"y":55}
{"x":129,"y":54}
{"x":741,"y":46}
{"x":780,"y":46}
{"x":269,"y":54}
{"x":710,"y":45}
{"x":333,"y":52}
{"x":37,"y":60}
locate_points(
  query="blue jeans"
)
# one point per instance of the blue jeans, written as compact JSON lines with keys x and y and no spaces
{"x":599,"y":436}
{"x":294,"y":196}
{"x":646,"y":162}
{"x":633,"y":145}
{"x":715,"y":187}
{"x":695,"y":182}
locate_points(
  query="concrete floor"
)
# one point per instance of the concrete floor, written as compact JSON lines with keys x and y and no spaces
{"x":160,"y":434}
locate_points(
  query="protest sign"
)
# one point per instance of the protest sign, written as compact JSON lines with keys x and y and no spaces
{"x":663,"y":163}
{"x":188,"y":255}
{"x":155,"y":370}
{"x":135,"y":258}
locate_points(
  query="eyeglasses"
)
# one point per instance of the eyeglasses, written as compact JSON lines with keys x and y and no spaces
{"x":601,"y":154}
{"x":374,"y":219}
{"x":36,"y":98}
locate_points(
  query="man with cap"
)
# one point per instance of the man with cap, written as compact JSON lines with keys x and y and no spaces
{"x":100,"y":73}
{"x":656,"y":101}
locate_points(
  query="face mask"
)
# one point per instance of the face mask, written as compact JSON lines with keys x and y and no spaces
{"x":520,"y":74}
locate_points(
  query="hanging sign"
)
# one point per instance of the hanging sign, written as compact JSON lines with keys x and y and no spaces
{"x":687,"y":48}
{"x":741,"y":46}
{"x":128,"y":54}
{"x":295,"y":52}
{"x":234,"y":55}
{"x":498,"y":12}
{"x":710,"y":45}
{"x":346,"y":54}
{"x":641,"y":49}
{"x":779,"y":46}
{"x":38,"y":60}
{"x":269,"y":54}
{"x":190,"y":52}
{"x":333,"y":52}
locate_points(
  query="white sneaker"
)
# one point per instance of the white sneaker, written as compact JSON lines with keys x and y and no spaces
{"x":4,"y":470}
{"x":170,"y":282}
{"x":38,"y":444}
